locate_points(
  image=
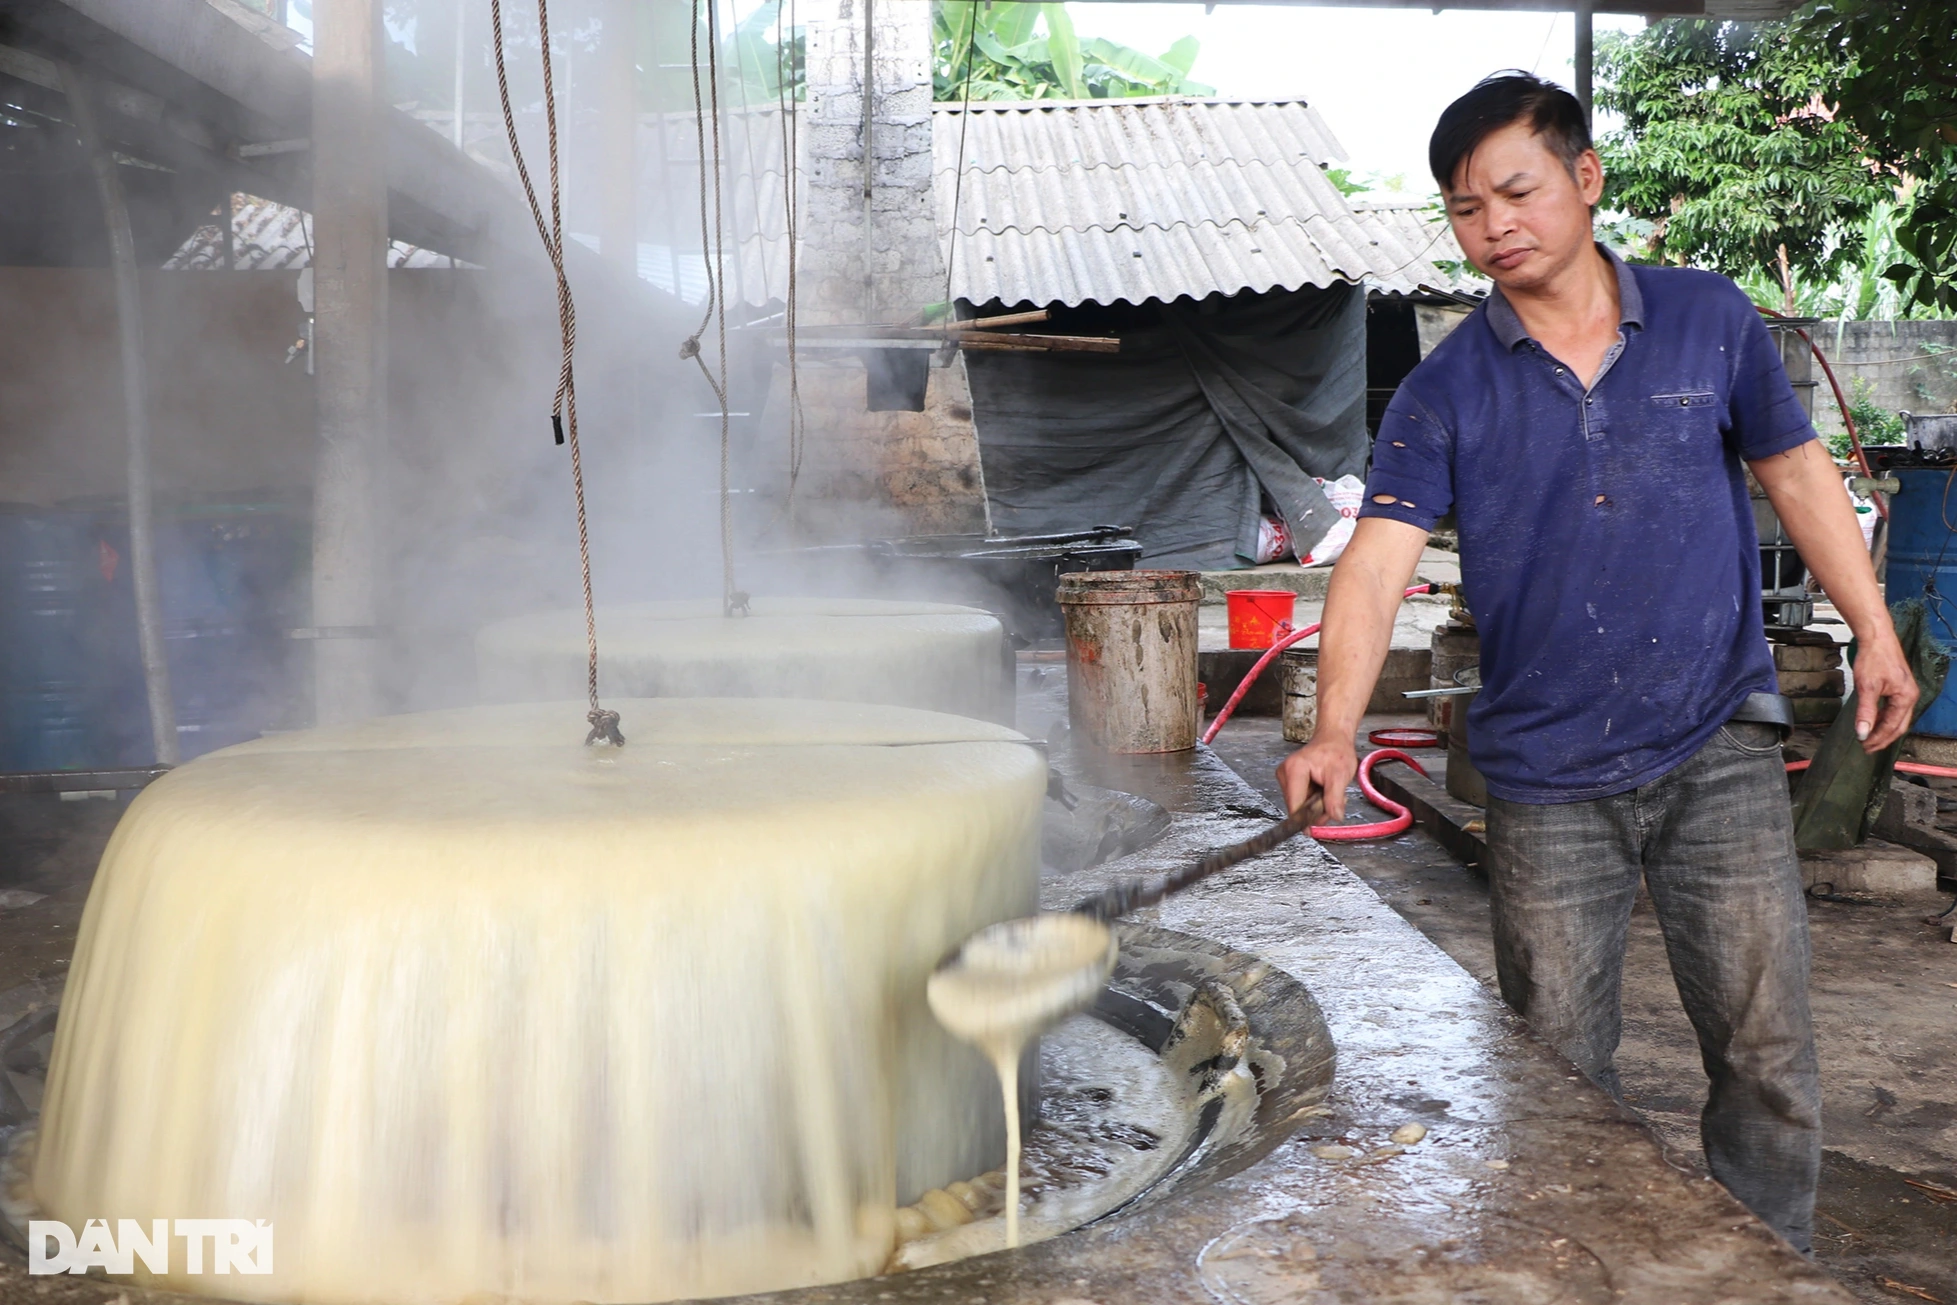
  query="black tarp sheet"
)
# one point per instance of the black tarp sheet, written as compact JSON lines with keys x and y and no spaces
{"x":1209,"y":409}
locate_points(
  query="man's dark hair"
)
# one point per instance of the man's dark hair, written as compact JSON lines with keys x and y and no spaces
{"x":1496,"y":102}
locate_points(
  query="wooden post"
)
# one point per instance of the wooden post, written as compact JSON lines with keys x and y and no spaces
{"x":350,"y":336}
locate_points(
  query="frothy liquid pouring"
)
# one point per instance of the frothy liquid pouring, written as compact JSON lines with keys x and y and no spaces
{"x":1006,"y":985}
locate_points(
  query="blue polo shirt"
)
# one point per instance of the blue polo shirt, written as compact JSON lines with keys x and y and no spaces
{"x":1607,"y":543}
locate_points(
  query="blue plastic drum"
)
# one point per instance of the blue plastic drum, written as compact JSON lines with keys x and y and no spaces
{"x":1923,"y":564}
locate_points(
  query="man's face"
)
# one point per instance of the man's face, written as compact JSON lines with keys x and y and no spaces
{"x":1520,"y":216}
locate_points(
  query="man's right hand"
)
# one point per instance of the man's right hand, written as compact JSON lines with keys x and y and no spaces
{"x":1318,"y":773}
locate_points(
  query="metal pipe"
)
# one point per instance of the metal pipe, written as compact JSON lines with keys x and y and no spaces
{"x":1585,"y":55}
{"x":120,"y":780}
{"x":461,"y":64}
{"x":135,"y":412}
{"x":350,"y":339}
{"x":869,"y":156}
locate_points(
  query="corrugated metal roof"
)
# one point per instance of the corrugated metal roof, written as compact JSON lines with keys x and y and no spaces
{"x":1419,"y":232}
{"x":266,"y":236}
{"x":1109,"y":201}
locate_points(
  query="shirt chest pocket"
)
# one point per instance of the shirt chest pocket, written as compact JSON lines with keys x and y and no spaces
{"x":1685,"y":414}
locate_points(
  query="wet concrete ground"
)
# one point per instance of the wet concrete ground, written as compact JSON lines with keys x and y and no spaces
{"x":1528,"y":1186}
{"x":1885,"y":1001}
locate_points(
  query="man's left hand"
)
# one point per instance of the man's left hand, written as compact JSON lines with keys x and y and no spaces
{"x":1885,"y":694}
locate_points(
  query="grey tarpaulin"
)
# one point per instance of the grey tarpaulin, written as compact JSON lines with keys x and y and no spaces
{"x":1208,"y":408}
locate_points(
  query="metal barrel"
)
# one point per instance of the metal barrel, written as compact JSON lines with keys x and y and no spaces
{"x":1131,"y":658}
{"x":231,"y":576}
{"x":1923,"y":564}
{"x":50,"y":706}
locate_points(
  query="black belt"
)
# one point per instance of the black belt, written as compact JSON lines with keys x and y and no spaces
{"x":1767,"y":709}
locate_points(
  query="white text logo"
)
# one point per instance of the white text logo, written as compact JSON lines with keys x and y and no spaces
{"x":209,"y":1246}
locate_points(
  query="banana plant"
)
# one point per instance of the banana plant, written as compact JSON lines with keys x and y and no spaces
{"x":1032,"y":52}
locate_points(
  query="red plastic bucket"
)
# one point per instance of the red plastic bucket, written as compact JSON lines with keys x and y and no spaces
{"x":1255,"y":615}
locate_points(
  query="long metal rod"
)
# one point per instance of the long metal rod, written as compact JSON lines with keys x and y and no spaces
{"x":135,"y":413}
{"x":1585,"y":55}
{"x":1133,"y":895}
{"x":869,"y":154}
{"x":461,"y":69}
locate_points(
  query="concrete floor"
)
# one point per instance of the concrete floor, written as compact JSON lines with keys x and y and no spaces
{"x":1529,"y":1186}
{"x":1885,"y":1004}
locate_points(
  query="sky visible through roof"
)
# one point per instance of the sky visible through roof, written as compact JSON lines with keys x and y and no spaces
{"x":1380,"y":77}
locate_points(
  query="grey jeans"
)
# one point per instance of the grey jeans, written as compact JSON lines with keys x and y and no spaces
{"x":1714,"y":841}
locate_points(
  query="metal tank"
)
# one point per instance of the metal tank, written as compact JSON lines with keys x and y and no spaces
{"x":1923,"y":563}
{"x":231,"y":584}
{"x":49,"y":708}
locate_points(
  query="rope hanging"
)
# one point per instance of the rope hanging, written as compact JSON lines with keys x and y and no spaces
{"x":732,"y":600}
{"x":790,"y":157}
{"x":564,"y":405}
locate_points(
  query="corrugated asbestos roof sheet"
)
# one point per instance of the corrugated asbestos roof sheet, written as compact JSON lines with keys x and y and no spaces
{"x":1109,"y":201}
{"x":1420,"y":231}
{"x":267,"y":236}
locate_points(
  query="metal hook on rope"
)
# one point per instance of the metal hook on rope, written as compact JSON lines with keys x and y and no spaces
{"x":604,"y":728}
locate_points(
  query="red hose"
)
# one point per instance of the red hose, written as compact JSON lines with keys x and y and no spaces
{"x":1841,"y":401}
{"x":1398,"y":823}
{"x":1906,"y":767}
{"x":1270,"y":655}
{"x":1405,"y":738}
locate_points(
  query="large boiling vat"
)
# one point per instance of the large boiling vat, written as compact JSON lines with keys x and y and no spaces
{"x":929,"y":655}
{"x":463,"y":1007}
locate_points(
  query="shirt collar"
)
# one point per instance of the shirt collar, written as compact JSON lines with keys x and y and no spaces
{"x":1508,"y":327}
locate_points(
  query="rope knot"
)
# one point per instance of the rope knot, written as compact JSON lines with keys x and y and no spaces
{"x":690,"y":348}
{"x":604,"y":728}
{"x":737,"y":604}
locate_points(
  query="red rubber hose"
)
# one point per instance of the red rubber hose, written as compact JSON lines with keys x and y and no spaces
{"x":1400,"y":820}
{"x":1405,"y":738}
{"x":1905,"y":767}
{"x":1841,"y":401}
{"x":1271,"y":654}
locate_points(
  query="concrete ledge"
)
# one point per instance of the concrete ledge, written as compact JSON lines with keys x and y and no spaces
{"x":1221,"y":670}
{"x":1437,"y":566}
{"x":1875,"y":867}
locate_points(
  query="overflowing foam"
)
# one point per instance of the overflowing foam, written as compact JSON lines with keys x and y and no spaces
{"x":463,"y":1007}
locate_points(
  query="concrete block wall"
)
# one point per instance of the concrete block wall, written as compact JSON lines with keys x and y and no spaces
{"x":897,"y":269}
{"x":1901,"y":361}
{"x":866,"y":474}
{"x":870,"y":474}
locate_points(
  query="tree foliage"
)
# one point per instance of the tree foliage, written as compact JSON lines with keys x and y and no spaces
{"x":1898,"y":89}
{"x":1731,"y":148}
{"x":1031,"y":52}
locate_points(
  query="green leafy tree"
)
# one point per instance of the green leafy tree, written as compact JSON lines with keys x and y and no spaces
{"x":1898,"y":89}
{"x":1732,"y":152}
{"x":1031,"y":52}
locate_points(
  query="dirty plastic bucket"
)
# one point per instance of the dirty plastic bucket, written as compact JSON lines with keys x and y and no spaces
{"x":1131,"y":658}
{"x":1255,"y":615}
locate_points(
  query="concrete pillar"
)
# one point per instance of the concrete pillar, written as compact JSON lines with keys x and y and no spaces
{"x":618,"y":124}
{"x":350,"y":337}
{"x":895,"y":268}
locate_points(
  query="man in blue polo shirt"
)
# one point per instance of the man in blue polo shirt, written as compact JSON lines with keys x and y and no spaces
{"x":1587,"y":427}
